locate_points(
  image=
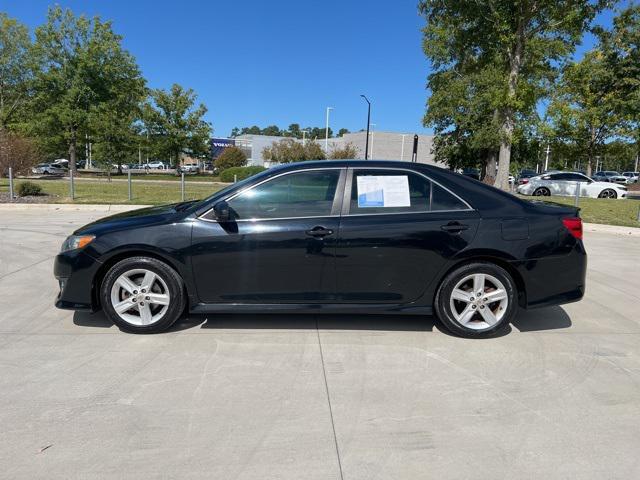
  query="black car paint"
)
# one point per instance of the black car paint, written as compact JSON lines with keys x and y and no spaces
{"x":371,"y":262}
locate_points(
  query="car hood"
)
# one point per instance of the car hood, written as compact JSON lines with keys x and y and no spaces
{"x":606,"y":184}
{"x":135,"y":218}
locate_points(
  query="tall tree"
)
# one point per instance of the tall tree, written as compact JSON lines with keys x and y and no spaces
{"x":16,"y":69}
{"x":586,"y":109}
{"x":523,"y":40}
{"x":176,"y":124}
{"x":81,"y":64}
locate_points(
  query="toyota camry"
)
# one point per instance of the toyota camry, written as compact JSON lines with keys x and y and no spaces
{"x":330,"y":237}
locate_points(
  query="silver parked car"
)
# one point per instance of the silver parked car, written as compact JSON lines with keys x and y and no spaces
{"x":49,"y":169}
{"x":632,"y":177}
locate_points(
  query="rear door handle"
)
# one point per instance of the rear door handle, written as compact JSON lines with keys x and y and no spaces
{"x":454,"y":227}
{"x":319,"y":232}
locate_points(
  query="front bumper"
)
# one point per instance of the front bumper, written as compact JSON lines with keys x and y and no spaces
{"x":75,"y":272}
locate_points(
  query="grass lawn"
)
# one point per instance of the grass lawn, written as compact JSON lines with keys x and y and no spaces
{"x":602,"y":210}
{"x":116,"y":192}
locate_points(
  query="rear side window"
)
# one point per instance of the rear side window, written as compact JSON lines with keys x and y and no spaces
{"x":398,"y":191}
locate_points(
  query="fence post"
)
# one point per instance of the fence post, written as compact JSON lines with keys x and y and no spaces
{"x":129,"y":184}
{"x":235,"y":178}
{"x":577,"y":202}
{"x":10,"y":184}
{"x":71,"y":186}
{"x":182,"y":185}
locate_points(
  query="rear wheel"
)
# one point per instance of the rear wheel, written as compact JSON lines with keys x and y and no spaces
{"x":142,"y":295}
{"x":608,"y":193}
{"x":541,"y":192}
{"x":476,"y":300}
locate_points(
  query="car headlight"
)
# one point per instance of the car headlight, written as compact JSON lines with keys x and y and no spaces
{"x":75,"y":242}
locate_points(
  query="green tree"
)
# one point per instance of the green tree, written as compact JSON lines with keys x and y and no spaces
{"x":522,"y":40}
{"x":176,"y":124}
{"x":16,"y":70}
{"x":231,"y":157}
{"x":289,"y":150}
{"x":347,"y":151}
{"x":342,"y":131}
{"x":584,"y":109}
{"x":81,"y":63}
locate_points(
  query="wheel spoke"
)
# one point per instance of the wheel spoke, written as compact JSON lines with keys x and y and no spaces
{"x":147,"y":281}
{"x":466,"y":315}
{"x":488,"y":316}
{"x":124,"y":305}
{"x":461,"y":295}
{"x":495,"y":296}
{"x":478,"y":283}
{"x":145,"y":314}
{"x":127,"y":284}
{"x":158,"y":298}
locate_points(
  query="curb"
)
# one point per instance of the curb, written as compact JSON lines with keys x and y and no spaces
{"x":66,"y":207}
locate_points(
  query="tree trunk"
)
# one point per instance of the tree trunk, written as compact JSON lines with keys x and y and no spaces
{"x":490,"y":174}
{"x":508,"y":114}
{"x":72,"y":150}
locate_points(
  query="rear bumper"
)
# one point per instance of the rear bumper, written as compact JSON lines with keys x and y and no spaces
{"x":554,"y":280}
{"x":75,"y":272}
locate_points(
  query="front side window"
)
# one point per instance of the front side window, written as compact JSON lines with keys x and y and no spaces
{"x":398,"y":191}
{"x":300,"y":194}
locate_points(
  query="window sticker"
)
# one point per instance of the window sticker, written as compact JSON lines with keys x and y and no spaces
{"x":383,"y":191}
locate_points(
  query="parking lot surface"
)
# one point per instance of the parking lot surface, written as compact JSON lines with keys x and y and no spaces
{"x":314,"y":397}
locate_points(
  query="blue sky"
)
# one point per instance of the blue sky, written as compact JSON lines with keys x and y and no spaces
{"x":278,"y":62}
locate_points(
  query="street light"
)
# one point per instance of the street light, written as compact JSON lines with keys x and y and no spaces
{"x":366,"y":148}
{"x":326,"y":134}
{"x":402,"y":151}
{"x":373,"y":126}
{"x":304,"y":133}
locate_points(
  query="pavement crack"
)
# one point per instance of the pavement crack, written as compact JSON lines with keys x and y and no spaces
{"x":326,"y":388}
{"x":26,"y":267}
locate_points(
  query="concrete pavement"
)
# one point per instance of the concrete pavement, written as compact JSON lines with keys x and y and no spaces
{"x":291,"y":397}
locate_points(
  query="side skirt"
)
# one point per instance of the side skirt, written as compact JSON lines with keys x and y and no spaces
{"x":329,"y":308}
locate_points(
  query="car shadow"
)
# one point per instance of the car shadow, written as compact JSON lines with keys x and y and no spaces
{"x":550,"y":318}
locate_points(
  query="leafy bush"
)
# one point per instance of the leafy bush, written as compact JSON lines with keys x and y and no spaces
{"x":231,"y":157}
{"x":26,"y":189}
{"x":241,"y":173}
{"x":289,"y":150}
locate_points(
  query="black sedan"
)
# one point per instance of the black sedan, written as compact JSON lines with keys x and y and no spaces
{"x":330,"y":237}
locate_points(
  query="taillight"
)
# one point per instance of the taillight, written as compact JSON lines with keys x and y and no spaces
{"x":523,"y":181}
{"x":574,"y":225}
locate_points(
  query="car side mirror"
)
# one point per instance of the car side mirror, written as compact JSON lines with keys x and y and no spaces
{"x":222,"y":211}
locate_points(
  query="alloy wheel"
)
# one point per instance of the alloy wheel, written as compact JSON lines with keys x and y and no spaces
{"x":608,"y":193}
{"x":140,"y":297}
{"x":479,"y":301}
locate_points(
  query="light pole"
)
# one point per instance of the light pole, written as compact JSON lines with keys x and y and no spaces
{"x":402,"y":151}
{"x":326,"y":132}
{"x":304,"y":134}
{"x":366,"y":148}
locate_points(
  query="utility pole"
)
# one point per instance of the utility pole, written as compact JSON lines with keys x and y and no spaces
{"x":326,"y":132}
{"x":546,"y":158}
{"x":366,"y":148}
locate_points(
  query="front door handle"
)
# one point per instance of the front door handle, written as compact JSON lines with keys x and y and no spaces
{"x":319,"y":232}
{"x":454,"y":227}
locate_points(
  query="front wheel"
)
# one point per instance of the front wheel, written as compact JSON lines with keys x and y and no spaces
{"x":476,"y":300}
{"x":542,"y":192}
{"x":142,"y":295}
{"x":608,"y":193}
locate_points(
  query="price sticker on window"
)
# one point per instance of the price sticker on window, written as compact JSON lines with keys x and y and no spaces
{"x":383,"y":191}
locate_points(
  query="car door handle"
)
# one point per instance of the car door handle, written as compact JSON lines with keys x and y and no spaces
{"x":319,"y":232}
{"x":454,"y":227}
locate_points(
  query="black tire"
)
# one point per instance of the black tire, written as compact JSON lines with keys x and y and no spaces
{"x":542,"y":192}
{"x":608,"y":193}
{"x":169,"y":276}
{"x":442,"y":304}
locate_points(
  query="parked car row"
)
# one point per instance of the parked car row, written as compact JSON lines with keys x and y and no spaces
{"x":565,"y":184}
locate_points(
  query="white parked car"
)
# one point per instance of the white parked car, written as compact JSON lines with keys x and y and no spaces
{"x":48,"y":169}
{"x":564,"y":184}
{"x":158,"y":165}
{"x":632,"y":177}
